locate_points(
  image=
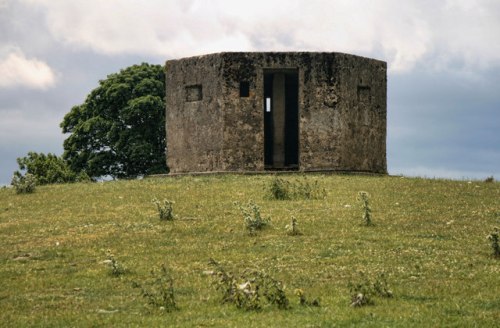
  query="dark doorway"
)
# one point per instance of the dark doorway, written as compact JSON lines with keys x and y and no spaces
{"x":281,"y":119}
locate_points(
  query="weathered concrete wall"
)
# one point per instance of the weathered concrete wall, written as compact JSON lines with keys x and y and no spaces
{"x":194,"y":116}
{"x":243,"y":130}
{"x":342,"y":111}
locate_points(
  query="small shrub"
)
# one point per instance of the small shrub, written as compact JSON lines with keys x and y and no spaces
{"x":252,"y":217}
{"x":48,"y":168}
{"x":489,"y":179}
{"x":250,"y":290}
{"x":494,"y":239}
{"x":159,"y":290}
{"x":365,"y":205}
{"x":24,"y":184}
{"x":292,"y":228}
{"x":165,"y":209}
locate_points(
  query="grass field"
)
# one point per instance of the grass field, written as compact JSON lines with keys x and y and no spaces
{"x":428,"y":237}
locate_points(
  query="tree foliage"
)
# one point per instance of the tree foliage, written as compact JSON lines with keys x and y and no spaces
{"x":120,"y":128}
{"x":46,"y":169}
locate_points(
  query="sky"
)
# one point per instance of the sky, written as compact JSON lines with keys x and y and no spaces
{"x":443,"y":110}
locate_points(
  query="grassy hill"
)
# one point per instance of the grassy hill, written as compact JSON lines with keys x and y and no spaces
{"x":428,"y":240}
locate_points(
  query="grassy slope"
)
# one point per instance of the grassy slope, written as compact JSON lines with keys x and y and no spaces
{"x":429,"y":238}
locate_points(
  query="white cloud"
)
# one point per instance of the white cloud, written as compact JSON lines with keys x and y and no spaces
{"x":469,"y":32}
{"x":401,"y":32}
{"x":17,"y":70}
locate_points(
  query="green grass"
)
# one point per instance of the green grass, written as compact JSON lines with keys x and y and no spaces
{"x":429,"y":237}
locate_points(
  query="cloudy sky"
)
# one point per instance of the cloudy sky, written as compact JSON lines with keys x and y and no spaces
{"x":443,"y":58}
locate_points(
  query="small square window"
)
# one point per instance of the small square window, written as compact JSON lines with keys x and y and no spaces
{"x":364,"y":94}
{"x":244,"y":89}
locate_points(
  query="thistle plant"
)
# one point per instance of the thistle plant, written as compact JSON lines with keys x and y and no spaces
{"x":304,"y":189}
{"x":249,"y":290}
{"x":381,"y":287}
{"x":365,"y":205}
{"x":495,"y":245}
{"x":252,"y":217}
{"x":278,"y":189}
{"x":165,"y":209}
{"x":116,"y":268}
{"x":281,"y":189}
{"x":159,"y":290}
{"x":363,"y":291}
{"x":223,"y":281}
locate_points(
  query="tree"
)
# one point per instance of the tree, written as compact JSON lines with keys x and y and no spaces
{"x":46,"y":169}
{"x":120,"y":128}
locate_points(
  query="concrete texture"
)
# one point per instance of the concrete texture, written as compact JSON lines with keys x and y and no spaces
{"x":341,"y":113}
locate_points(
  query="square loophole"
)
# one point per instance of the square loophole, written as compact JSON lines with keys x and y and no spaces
{"x":244,"y":89}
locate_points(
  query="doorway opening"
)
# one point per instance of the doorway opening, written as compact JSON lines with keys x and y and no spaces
{"x":281,"y":119}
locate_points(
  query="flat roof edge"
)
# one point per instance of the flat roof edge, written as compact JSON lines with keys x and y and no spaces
{"x":297,"y":53}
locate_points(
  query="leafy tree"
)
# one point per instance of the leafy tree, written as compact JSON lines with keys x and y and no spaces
{"x":46,"y":169}
{"x":120,"y":128}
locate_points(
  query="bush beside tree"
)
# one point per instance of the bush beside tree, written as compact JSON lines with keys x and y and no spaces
{"x":47,"y":169}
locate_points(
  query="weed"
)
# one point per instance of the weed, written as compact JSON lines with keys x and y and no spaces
{"x":493,"y":238}
{"x":489,"y":179}
{"x":24,"y":184}
{"x":224,"y":282}
{"x":159,"y":291}
{"x":116,"y":268}
{"x":272,"y":289}
{"x":165,"y":210}
{"x":365,"y":205}
{"x":292,"y":229}
{"x":252,"y":217}
{"x":363,"y":291}
{"x":381,"y":287}
{"x":303,"y":299}
{"x":308,"y":190}
{"x":278,"y":189}
{"x":249,"y":290}
{"x":281,"y":189}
